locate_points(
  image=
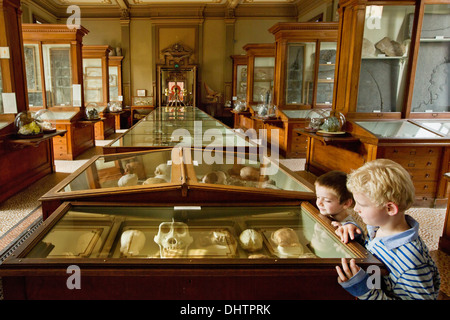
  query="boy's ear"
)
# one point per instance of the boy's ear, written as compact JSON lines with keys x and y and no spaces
{"x":392,"y":208}
{"x":348,"y":203}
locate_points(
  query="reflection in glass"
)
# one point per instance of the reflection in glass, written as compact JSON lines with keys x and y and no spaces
{"x":208,"y":232}
{"x":431,"y":84}
{"x":441,"y":126}
{"x":396,"y":129}
{"x":177,"y":86}
{"x":384,"y":64}
{"x":123,"y":171}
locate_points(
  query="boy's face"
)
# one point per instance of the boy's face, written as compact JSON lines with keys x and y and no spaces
{"x":370,"y":213}
{"x":327,"y":201}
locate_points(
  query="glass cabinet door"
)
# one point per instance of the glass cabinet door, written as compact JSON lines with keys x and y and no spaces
{"x":33,"y":72}
{"x":58,"y":74}
{"x":325,"y":76}
{"x":113,"y":83}
{"x":241,"y":85}
{"x":263,"y":74}
{"x":93,"y":81}
{"x":384,"y":65}
{"x":431,"y":85}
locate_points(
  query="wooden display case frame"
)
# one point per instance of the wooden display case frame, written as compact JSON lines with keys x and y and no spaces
{"x":424,"y":158}
{"x":183,"y":187}
{"x":161,"y":279}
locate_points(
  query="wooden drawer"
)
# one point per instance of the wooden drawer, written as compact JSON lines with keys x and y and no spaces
{"x":423,"y":175}
{"x":418,"y":163}
{"x":432,"y":153}
{"x":425,"y":187}
{"x":59,"y":141}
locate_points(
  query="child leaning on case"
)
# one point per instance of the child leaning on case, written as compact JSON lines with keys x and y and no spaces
{"x":383,"y":191}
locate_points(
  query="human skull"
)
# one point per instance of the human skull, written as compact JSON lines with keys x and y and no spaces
{"x":251,"y":240}
{"x":131,"y":242}
{"x":127,"y":180}
{"x":173,"y":239}
{"x":215,"y":177}
{"x":162,"y":171}
{"x":288,"y":244}
{"x":249,"y":174}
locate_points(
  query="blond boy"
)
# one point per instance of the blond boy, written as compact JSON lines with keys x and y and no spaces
{"x":383,"y":191}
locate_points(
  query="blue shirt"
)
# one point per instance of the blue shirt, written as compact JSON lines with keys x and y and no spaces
{"x":412,"y":272}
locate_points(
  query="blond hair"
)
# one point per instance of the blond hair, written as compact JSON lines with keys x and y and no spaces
{"x":383,"y":181}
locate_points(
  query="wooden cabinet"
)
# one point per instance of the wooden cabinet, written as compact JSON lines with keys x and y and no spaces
{"x":305,"y":64}
{"x":96,"y":87}
{"x":260,"y":71}
{"x":392,"y":55}
{"x":51,"y":83}
{"x":25,"y":162}
{"x":304,"y":77}
{"x":209,"y":261}
{"x":239,"y":81}
{"x":423,"y":152}
{"x":123,"y":118}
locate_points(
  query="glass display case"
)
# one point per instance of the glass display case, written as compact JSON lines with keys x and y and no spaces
{"x":421,"y":147}
{"x":167,"y":127}
{"x":179,"y":175}
{"x":239,"y":81}
{"x":115,"y":78}
{"x":431,"y":90}
{"x":403,"y":51}
{"x":306,"y":59}
{"x":247,"y":250}
{"x":260,"y":71}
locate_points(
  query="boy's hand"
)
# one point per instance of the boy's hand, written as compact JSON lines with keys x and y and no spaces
{"x":346,"y":231}
{"x":346,"y":272}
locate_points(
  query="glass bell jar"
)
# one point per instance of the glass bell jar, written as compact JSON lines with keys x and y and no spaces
{"x":44,"y":118}
{"x":240,"y":106}
{"x":92,"y":111}
{"x":334,"y":123}
{"x":315,"y":118}
{"x":114,"y":106}
{"x":26,"y":126}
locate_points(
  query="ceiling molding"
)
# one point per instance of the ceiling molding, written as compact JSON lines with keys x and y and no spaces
{"x":175,"y":9}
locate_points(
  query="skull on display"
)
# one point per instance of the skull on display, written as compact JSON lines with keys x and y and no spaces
{"x":131,"y":242}
{"x":287,"y":242}
{"x":173,"y":239}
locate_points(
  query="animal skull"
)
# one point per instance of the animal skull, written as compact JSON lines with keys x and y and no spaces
{"x":173,"y":239}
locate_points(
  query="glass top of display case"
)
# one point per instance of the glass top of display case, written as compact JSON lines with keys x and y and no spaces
{"x":179,"y":126}
{"x":4,"y":124}
{"x":296,"y":114}
{"x":139,"y":170}
{"x":396,"y":129}
{"x":441,"y":126}
{"x":290,"y":233}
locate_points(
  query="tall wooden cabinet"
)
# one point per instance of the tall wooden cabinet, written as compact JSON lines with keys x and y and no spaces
{"x":392,"y":84}
{"x":54,"y":71}
{"x":22,"y":162}
{"x":96,"y":87}
{"x":304,"y":77}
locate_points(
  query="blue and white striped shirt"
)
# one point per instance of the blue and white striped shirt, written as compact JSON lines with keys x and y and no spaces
{"x":412,"y":272}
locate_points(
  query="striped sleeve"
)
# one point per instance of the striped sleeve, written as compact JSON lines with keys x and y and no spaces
{"x":412,"y":274}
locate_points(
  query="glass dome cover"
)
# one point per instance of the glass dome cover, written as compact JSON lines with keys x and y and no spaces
{"x":335,"y":122}
{"x":44,"y":118}
{"x":240,"y":106}
{"x":92,"y":111}
{"x":26,"y":126}
{"x":315,"y":118}
{"x":114,"y":106}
